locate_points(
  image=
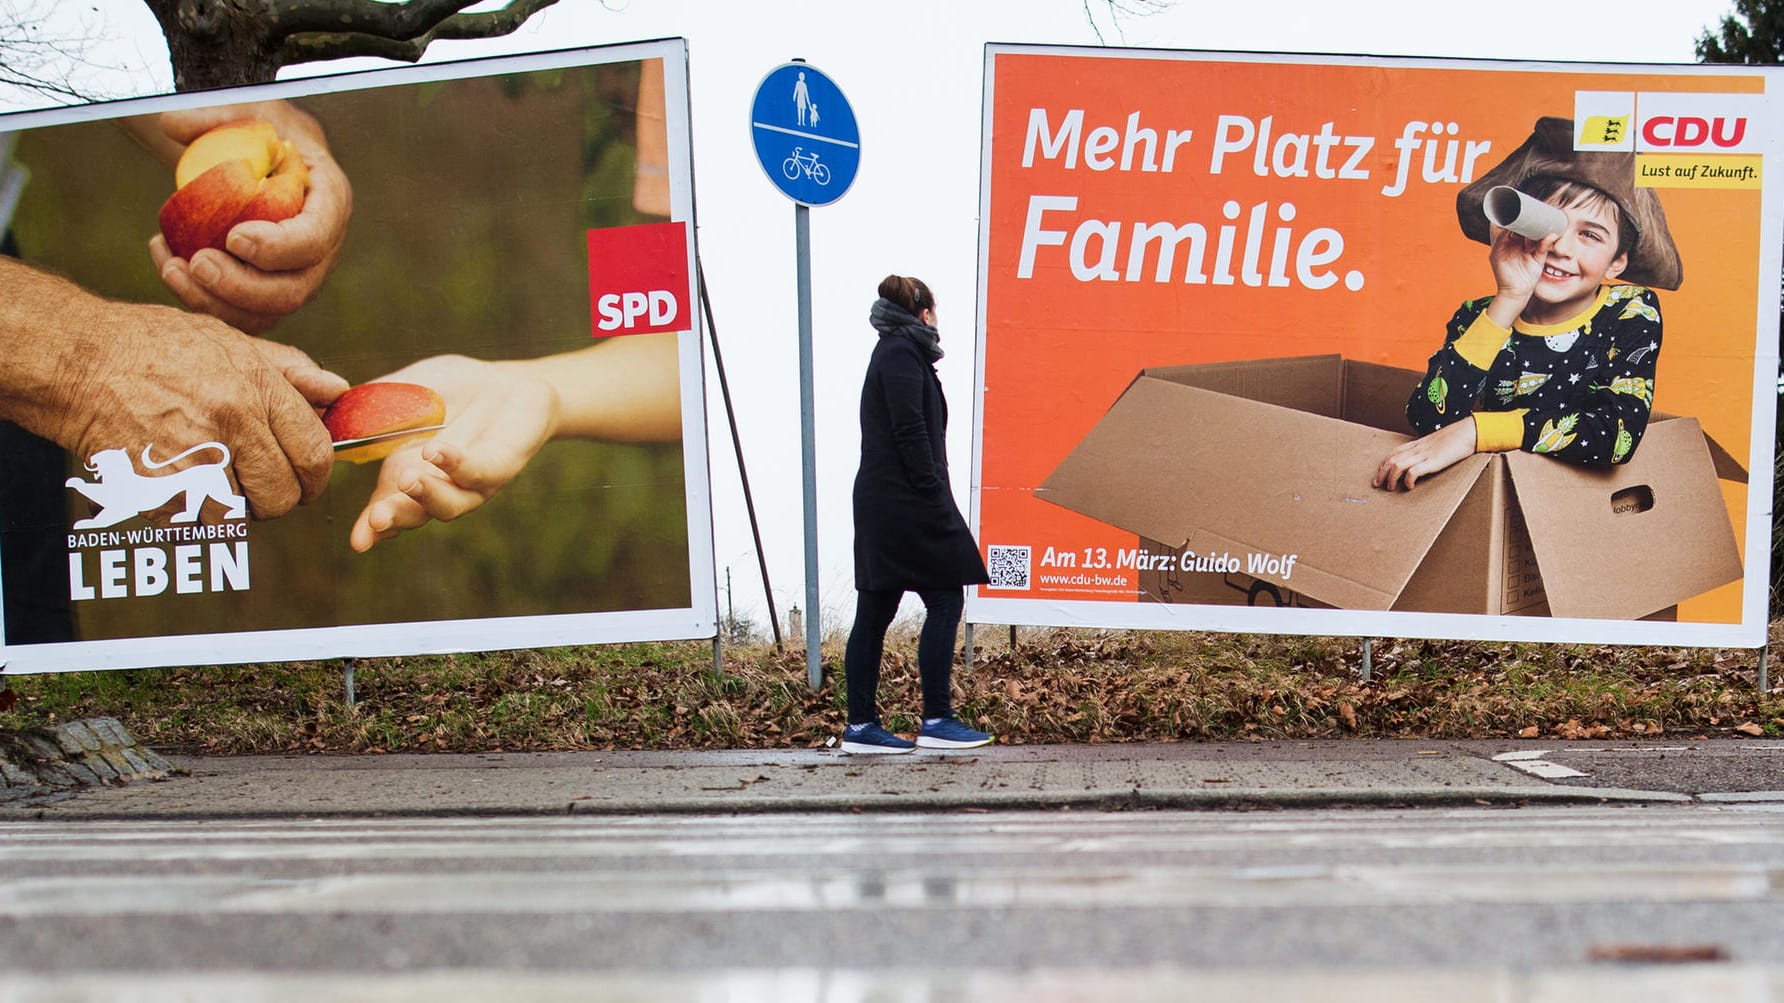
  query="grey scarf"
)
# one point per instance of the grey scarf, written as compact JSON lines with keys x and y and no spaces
{"x":894,"y":321}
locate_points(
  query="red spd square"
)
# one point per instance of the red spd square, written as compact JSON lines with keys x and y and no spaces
{"x":638,"y":279}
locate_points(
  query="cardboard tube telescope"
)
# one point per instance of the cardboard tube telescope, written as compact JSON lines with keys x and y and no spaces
{"x":1513,"y":210}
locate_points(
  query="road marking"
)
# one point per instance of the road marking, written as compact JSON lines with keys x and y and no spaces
{"x":1530,"y":761}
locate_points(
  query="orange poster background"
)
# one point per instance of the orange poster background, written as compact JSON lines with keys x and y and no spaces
{"x":1058,"y":351}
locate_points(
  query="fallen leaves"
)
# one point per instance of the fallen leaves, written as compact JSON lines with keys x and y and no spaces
{"x":1060,"y":686}
{"x":1573,"y":730}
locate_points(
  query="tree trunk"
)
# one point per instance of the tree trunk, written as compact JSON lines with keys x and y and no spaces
{"x":217,"y":43}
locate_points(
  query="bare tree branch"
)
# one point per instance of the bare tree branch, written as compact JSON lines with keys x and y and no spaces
{"x":492,"y":23}
{"x":11,"y":77}
{"x":317,"y":45}
{"x":1120,"y":10}
{"x":384,"y":20}
{"x":44,"y":64}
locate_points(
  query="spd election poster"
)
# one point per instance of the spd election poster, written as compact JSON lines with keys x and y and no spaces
{"x":1366,"y":346}
{"x":494,"y":255}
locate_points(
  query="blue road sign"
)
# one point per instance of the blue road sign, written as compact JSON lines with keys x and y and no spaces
{"x":805,"y":134}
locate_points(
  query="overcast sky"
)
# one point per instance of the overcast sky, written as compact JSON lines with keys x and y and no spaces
{"x":912,"y":72}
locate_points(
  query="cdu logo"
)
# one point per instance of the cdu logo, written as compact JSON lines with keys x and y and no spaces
{"x":1669,"y":122}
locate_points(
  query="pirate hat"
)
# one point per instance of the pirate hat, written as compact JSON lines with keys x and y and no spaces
{"x":1653,"y":258}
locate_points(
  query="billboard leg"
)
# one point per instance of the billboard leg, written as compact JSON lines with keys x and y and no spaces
{"x":347,"y":677}
{"x":967,"y":642}
{"x":743,"y":474}
{"x":814,"y":664}
{"x":1368,"y":670}
{"x":1760,"y":679}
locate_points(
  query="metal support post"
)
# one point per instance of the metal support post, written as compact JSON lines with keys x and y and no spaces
{"x":743,"y":474}
{"x":1368,"y":671}
{"x":814,"y":663}
{"x":347,"y":677}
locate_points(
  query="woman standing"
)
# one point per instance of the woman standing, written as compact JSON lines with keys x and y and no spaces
{"x":909,"y":534}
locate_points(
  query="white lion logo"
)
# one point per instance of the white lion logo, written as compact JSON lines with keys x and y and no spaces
{"x":122,"y":493}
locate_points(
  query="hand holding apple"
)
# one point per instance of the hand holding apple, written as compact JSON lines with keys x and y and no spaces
{"x":263,"y":270}
{"x":234,"y":173}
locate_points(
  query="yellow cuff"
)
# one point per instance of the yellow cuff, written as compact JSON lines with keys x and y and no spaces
{"x":1498,"y":431}
{"x":1480,"y":344}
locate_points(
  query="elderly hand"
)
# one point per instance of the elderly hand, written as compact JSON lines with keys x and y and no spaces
{"x":271,"y":269}
{"x":153,"y":376}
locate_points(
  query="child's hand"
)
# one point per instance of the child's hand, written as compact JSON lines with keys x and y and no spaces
{"x":1425,"y":456}
{"x":1517,"y":267}
{"x":497,"y":416}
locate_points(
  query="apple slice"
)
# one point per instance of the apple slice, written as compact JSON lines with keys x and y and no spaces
{"x":382,"y":409}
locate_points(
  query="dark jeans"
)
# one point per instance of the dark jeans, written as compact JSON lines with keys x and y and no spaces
{"x":935,"y":650}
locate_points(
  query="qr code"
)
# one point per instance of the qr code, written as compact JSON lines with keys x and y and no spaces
{"x":1008,"y":566}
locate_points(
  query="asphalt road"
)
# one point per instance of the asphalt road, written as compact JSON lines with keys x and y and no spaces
{"x":1366,"y":870}
{"x":1657,"y":901}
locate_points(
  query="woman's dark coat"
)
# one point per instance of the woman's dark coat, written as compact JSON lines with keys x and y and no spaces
{"x":909,"y":534}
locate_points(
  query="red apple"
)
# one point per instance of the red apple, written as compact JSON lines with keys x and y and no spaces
{"x":379,"y":409}
{"x":234,"y":173}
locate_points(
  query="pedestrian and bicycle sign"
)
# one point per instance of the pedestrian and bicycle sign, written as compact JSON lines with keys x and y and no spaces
{"x":805,"y":134}
{"x":810,"y":148}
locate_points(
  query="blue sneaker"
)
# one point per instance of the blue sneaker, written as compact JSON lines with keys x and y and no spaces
{"x":870,"y":739}
{"x":949,"y":733}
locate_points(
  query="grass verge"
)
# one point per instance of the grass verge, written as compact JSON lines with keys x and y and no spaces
{"x":1056,"y":686}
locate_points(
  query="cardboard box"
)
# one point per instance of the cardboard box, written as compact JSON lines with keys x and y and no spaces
{"x":1271,"y":459}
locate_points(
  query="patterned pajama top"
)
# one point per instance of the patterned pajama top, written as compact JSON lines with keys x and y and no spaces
{"x":1579,"y":390}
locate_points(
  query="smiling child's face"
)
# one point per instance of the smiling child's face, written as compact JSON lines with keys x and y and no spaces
{"x":1583,"y":258}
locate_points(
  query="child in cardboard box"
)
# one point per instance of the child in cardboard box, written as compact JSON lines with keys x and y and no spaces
{"x":1561,"y":359}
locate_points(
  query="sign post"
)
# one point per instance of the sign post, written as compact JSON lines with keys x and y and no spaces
{"x":810,"y":148}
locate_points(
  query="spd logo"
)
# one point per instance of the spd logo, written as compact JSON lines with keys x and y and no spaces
{"x":638,"y":279}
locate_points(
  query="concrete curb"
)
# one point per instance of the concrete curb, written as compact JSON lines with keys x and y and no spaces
{"x":1189,"y":777}
{"x":1133,"y":800}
